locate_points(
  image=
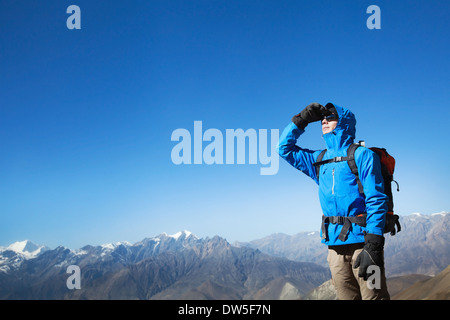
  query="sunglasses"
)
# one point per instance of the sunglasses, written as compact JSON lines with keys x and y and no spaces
{"x":331,"y":117}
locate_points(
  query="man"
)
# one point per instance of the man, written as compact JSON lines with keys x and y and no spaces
{"x":354,"y":251}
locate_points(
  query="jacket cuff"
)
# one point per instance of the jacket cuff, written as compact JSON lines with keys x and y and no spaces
{"x":375,"y":241}
{"x":376,"y":231}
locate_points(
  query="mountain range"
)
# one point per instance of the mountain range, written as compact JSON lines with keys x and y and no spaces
{"x":421,"y":247}
{"x":179,"y":266}
{"x":182,"y":266}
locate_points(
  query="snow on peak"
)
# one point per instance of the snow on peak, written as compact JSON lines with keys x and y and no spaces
{"x":23,"y":246}
{"x":442,"y":213}
{"x":417,"y":214}
{"x":108,"y":246}
{"x":26,"y":248}
{"x":177,"y":235}
{"x":112,"y":246}
{"x":180,"y":233}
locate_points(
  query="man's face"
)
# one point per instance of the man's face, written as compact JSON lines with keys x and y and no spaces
{"x":328,"y":125}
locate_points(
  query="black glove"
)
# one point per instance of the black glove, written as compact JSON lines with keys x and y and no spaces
{"x":372,"y":254}
{"x":313,"y":112}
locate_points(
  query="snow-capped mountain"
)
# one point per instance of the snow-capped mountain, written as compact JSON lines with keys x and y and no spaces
{"x":13,"y":255}
{"x":182,"y":266}
{"x":25,"y":248}
{"x":179,"y":266}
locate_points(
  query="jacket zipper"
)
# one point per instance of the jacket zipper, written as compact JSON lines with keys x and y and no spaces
{"x":332,"y":188}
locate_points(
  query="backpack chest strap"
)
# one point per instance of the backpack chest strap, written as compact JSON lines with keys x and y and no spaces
{"x":335,"y":159}
{"x":350,"y":158}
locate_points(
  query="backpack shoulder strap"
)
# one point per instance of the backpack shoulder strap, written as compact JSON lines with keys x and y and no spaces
{"x":352,"y":164}
{"x":319,"y":162}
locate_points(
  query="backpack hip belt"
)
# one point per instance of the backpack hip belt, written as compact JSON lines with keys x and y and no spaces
{"x":392,"y":221}
{"x":346,"y":223}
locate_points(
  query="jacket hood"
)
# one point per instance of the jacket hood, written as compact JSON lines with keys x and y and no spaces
{"x":344,"y":133}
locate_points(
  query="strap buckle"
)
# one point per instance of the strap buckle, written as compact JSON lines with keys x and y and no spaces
{"x":340,"y":219}
{"x":336,"y":219}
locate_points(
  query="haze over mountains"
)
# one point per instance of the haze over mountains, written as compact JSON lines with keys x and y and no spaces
{"x":182,"y":266}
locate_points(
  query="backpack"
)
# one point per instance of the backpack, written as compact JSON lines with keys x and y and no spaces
{"x":387,"y":170}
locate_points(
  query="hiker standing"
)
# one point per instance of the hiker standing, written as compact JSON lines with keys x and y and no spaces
{"x":352,"y":246}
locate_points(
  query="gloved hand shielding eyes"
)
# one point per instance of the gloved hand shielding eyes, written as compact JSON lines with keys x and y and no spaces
{"x":312,"y":113}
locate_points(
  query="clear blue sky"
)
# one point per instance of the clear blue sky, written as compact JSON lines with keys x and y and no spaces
{"x":86,"y":116}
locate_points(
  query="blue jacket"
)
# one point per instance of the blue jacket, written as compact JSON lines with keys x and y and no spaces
{"x":338,"y":189}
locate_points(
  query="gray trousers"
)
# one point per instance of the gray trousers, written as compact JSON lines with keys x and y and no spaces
{"x":349,"y":286}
